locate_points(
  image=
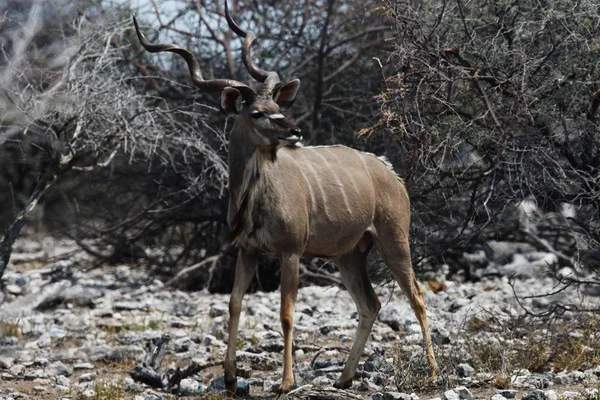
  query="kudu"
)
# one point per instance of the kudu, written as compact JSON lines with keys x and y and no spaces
{"x":294,"y":201}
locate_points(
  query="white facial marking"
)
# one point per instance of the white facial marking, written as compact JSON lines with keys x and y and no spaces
{"x":276,"y":116}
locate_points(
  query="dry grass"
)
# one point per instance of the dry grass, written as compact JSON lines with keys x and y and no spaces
{"x":10,"y":329}
{"x":503,"y":350}
{"x":104,"y":391}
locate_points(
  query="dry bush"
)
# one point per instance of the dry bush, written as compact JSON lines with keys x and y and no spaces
{"x":498,"y":355}
{"x":489,"y":105}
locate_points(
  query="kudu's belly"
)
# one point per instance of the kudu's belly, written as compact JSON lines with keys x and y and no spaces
{"x":333,"y":238}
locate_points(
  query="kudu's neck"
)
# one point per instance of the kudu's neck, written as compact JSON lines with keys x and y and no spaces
{"x":245,"y":160}
{"x":240,"y":152}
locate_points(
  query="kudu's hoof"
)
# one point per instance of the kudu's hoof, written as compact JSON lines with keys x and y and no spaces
{"x":280,"y":395}
{"x":339,"y":384}
{"x":284,"y":389}
{"x":230,"y":388}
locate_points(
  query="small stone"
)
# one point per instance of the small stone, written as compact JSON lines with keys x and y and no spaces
{"x":17,"y":369}
{"x":87,"y":377}
{"x":393,"y":317}
{"x":181,"y":345}
{"x":577,"y":376}
{"x":14,"y":289}
{"x":83,"y":366}
{"x":373,"y":363}
{"x":6,"y":362}
{"x":38,"y":389}
{"x":396,"y":396}
{"x":188,"y":387}
{"x":58,"y":368}
{"x":508,"y":393}
{"x":464,"y":393}
{"x":177,"y":323}
{"x":9,"y":341}
{"x":35,"y":374}
{"x":322,"y":381}
{"x":270,"y":386}
{"x":243,"y":388}
{"x":535,"y":395}
{"x":128,"y":383}
{"x":327,"y":362}
{"x":243,"y":372}
{"x":569,"y":395}
{"x":451,"y":395}
{"x":44,"y":341}
{"x":217,"y":310}
{"x":334,"y":369}
{"x":562,"y":379}
{"x":209,"y":340}
{"x":62,"y":380}
{"x":465,"y":370}
{"x":550,"y":395}
{"x":498,"y":397}
{"x":269,"y":346}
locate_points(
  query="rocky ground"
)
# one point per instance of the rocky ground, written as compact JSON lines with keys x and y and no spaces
{"x":70,"y":333}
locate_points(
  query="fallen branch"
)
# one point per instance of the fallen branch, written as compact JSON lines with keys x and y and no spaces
{"x":321,"y":393}
{"x":186,"y":271}
{"x":149,"y":372}
{"x":539,"y":242}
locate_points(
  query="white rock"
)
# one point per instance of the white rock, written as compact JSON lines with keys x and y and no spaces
{"x":6,"y":362}
{"x":62,"y":380}
{"x":464,"y":393}
{"x":451,"y":395}
{"x":17,"y":369}
{"x":87,"y":377}
{"x":82,"y":366}
{"x":14,"y":289}
{"x":44,"y":341}
{"x":189,"y":387}
{"x":550,"y":395}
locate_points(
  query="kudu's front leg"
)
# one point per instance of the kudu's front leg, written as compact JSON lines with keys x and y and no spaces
{"x":289,"y":293}
{"x":244,"y":272}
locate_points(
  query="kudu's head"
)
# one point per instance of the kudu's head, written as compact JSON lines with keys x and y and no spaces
{"x":258,"y":112}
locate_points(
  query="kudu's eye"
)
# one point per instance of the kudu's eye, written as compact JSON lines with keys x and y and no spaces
{"x":257,"y":114}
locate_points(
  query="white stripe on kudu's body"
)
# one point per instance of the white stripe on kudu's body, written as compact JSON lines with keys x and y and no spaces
{"x":339,"y":183}
{"x":293,"y":201}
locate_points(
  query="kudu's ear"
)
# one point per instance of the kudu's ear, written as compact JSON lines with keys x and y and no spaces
{"x":285,"y":95}
{"x":231,"y":101}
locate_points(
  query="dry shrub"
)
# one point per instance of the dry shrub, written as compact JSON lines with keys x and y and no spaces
{"x":500,"y":352}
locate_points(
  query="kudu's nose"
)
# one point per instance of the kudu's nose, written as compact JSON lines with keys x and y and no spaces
{"x":294,"y":136}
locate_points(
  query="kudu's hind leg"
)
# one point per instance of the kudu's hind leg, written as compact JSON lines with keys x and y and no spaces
{"x":396,"y":254}
{"x":244,"y":272}
{"x":353,"y":268}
